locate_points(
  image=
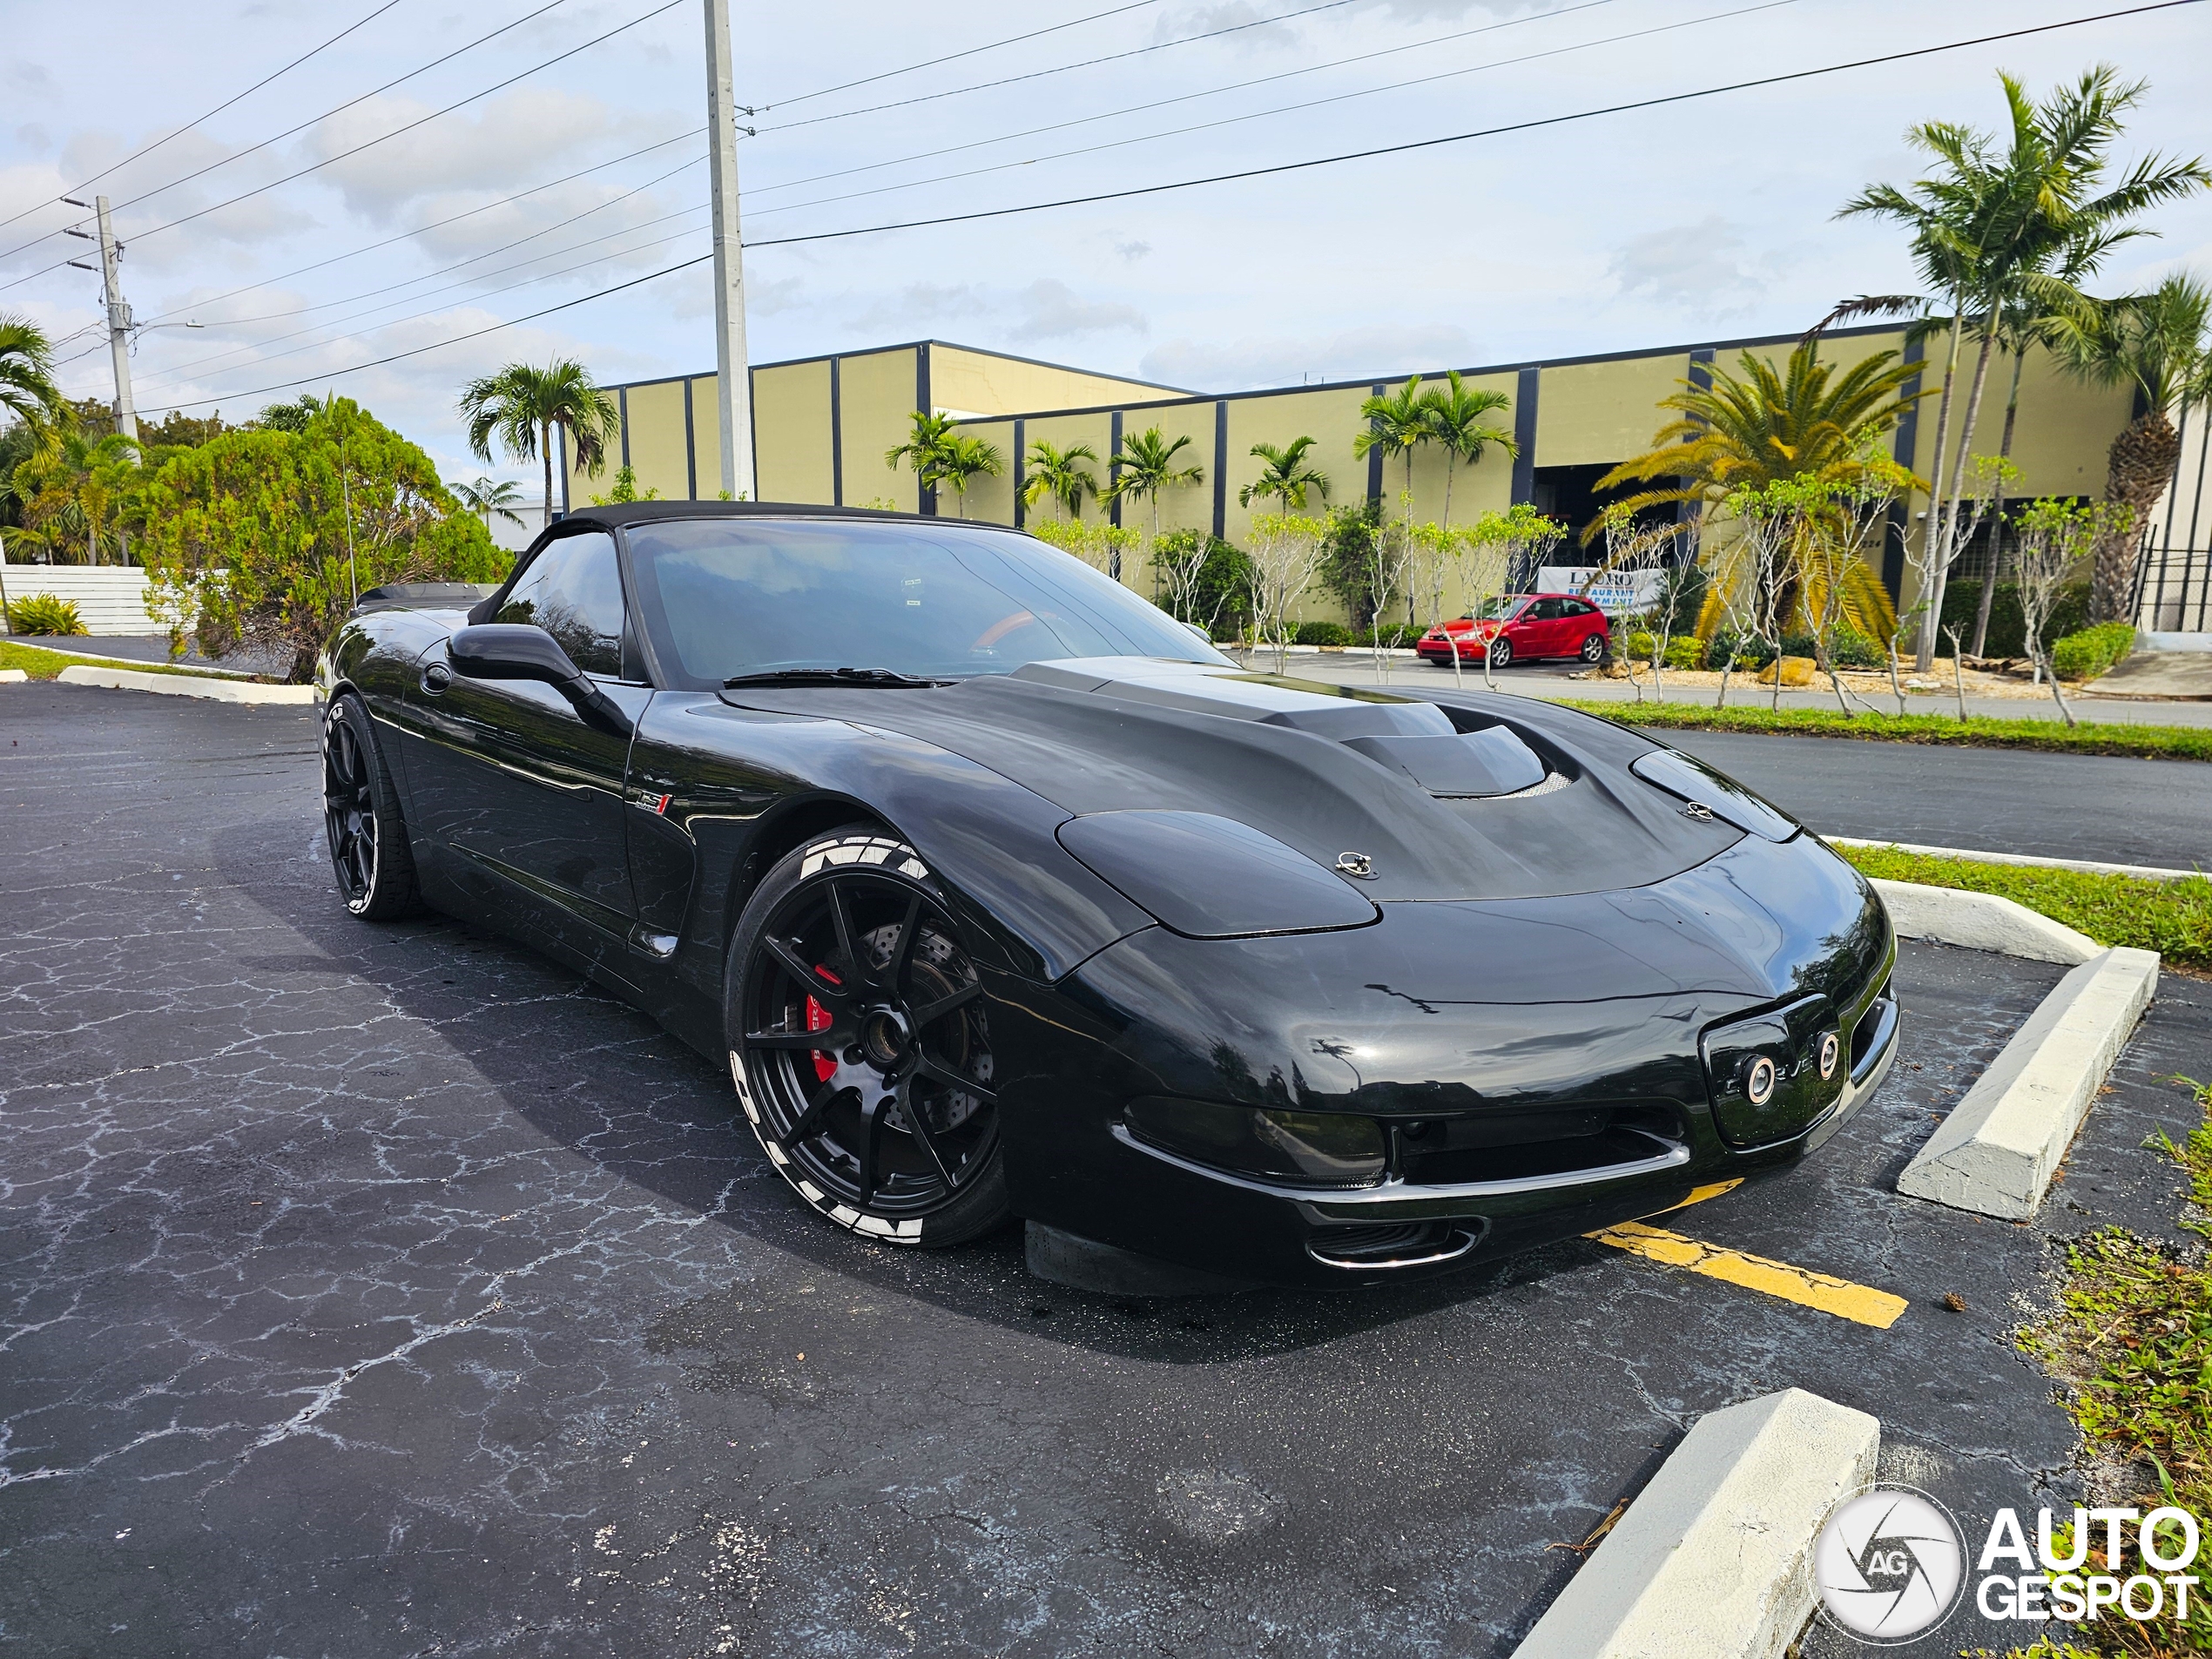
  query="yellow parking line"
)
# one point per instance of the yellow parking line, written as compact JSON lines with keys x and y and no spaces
{"x":1839,"y":1297}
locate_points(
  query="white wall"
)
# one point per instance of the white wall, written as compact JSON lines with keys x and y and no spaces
{"x":111,"y":598}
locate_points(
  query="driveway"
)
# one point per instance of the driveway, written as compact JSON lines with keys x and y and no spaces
{"x":390,"y":1291}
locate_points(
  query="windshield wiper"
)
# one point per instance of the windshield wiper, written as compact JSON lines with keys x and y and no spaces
{"x":883,"y":676}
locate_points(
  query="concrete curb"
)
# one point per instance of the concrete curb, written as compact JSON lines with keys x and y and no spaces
{"x":1714,"y":1557}
{"x":1981,"y":921}
{"x":124,"y":679}
{"x":2142,"y":871}
{"x":13,"y":676}
{"x":1996,"y":1151}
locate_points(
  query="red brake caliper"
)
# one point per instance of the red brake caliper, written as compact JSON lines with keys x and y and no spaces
{"x":817,"y":1019}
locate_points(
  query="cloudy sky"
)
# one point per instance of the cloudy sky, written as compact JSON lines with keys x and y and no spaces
{"x":374,"y":200}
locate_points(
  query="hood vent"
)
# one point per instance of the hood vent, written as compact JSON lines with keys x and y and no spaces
{"x":1493,"y":761}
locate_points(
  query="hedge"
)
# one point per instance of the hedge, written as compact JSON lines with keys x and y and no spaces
{"x":2089,"y":653}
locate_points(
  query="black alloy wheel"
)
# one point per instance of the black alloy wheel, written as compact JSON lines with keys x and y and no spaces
{"x":860,"y":1045}
{"x":360,"y":818}
{"x":1594,"y":648}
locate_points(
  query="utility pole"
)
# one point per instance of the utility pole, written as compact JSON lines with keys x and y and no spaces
{"x":118,"y":315}
{"x":733,"y":367}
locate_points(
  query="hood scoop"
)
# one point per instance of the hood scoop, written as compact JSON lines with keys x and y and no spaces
{"x":1493,"y":761}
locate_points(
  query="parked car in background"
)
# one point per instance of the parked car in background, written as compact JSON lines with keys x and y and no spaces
{"x":1520,"y":628}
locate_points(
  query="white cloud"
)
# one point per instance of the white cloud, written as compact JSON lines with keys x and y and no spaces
{"x":1253,"y":27}
{"x":1698,"y":267}
{"x":1382,"y":350}
{"x":1132,"y":251}
{"x":1049,"y":309}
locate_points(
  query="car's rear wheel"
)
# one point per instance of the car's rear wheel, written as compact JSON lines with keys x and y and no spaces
{"x":361,"y":820}
{"x":1500,"y":652}
{"x":1594,"y":648}
{"x":860,"y":1044}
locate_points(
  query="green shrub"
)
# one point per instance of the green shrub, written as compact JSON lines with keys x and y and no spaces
{"x":2089,"y":653}
{"x":42,"y":613}
{"x":2008,"y":629}
{"x":1323,"y":633}
{"x":1688,"y":651}
{"x":1750,"y":651}
{"x":1848,"y":647}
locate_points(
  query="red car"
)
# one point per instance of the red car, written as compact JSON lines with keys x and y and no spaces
{"x":1520,"y":628}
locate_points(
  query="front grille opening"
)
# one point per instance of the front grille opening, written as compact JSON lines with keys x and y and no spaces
{"x":1393,"y":1243}
{"x":1869,"y":1026}
{"x":1525,"y":1145}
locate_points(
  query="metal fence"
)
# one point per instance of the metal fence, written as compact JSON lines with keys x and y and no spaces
{"x":2174,"y":570}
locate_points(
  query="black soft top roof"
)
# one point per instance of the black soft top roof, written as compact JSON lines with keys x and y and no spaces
{"x":617,"y":515}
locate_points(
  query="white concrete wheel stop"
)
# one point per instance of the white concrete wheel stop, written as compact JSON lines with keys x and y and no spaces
{"x":1997,"y":1151}
{"x":126,"y":679}
{"x":1714,"y":1557}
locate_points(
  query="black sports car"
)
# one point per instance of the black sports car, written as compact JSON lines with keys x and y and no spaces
{"x":1005,"y":894}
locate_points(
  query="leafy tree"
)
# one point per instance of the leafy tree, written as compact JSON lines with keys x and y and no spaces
{"x":72,"y":486}
{"x":265,"y":537}
{"x":1397,"y":424}
{"x":486,"y":498}
{"x":925,"y":449}
{"x":520,"y":406}
{"x":27,"y":389}
{"x":624,"y":488}
{"x":1350,"y":556}
{"x":1146,"y":464}
{"x":1205,"y":580}
{"x":1099,"y":545}
{"x":1059,"y":476}
{"x":1287,"y":477}
{"x":965,"y":459}
{"x":1283,"y":549}
{"x":1457,"y":424}
{"x":2028,"y":219}
{"x":2156,"y":345}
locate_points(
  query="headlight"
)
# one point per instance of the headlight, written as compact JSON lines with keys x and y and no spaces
{"x":1207,"y":877}
{"x":1319,"y":1149}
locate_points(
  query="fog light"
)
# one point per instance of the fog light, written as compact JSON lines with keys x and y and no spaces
{"x":1758,"y":1080}
{"x":1318,"y":1149}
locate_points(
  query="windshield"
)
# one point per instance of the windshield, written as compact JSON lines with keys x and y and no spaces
{"x":722,"y":597}
{"x":1498,"y":609}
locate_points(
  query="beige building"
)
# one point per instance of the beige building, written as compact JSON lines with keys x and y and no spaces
{"x":822,"y":426}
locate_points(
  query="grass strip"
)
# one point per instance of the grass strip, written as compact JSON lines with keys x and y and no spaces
{"x":2133,"y":1341}
{"x":44,"y":661}
{"x":2172,"y":918}
{"x":1977,"y":731}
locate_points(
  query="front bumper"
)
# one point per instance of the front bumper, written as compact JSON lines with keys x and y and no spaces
{"x":1407,"y":1023}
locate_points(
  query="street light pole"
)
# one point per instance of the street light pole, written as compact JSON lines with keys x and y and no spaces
{"x":733,"y":367}
{"x":118,"y":324}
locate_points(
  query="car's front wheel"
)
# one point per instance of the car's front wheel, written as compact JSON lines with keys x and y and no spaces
{"x":859,"y":1045}
{"x":1594,"y":648}
{"x":361,"y":817}
{"x":1500,"y":652}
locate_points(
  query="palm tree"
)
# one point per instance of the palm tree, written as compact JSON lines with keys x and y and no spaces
{"x":520,"y":405}
{"x":1757,"y":428}
{"x":2005,"y":221}
{"x":290,"y":417}
{"x":2154,"y":343}
{"x":925,"y":448}
{"x":71,"y":484}
{"x":484,"y":498}
{"x":1059,"y":475}
{"x":1145,"y":466}
{"x":1287,"y":477}
{"x":27,"y":389}
{"x":963,"y":460}
{"x":1397,"y":425}
{"x":1455,"y":413}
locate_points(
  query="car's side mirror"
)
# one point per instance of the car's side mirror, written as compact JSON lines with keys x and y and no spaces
{"x":521,"y":651}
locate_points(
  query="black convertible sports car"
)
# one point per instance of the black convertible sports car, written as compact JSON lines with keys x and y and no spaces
{"x":1005,"y":894}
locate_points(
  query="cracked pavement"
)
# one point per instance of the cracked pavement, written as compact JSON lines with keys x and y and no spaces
{"x":389,"y":1290}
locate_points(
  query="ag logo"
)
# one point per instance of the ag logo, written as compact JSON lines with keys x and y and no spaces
{"x":1889,"y":1564}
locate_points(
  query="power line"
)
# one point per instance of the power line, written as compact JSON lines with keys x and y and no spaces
{"x":1186,"y":97}
{"x":1480,"y":132}
{"x":148,"y":148}
{"x":1058,"y":69}
{"x":1256,"y":172}
{"x":436,"y":223}
{"x":932,"y":63}
{"x":225,"y":161}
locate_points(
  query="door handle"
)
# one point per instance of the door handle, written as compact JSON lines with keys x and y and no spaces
{"x":437,"y":678}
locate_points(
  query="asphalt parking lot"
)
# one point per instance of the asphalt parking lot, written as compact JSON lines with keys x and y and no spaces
{"x":390,"y":1291}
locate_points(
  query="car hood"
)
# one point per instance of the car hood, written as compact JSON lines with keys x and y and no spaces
{"x":1450,"y":796}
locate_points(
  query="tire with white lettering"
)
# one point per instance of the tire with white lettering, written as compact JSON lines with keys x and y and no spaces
{"x":860,"y":1042}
